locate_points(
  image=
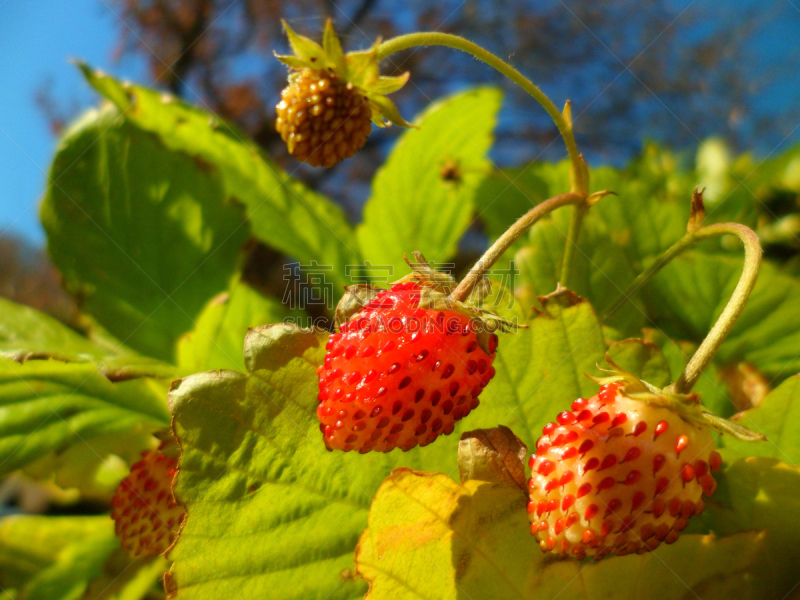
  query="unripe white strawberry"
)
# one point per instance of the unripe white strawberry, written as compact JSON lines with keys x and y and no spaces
{"x":618,"y":475}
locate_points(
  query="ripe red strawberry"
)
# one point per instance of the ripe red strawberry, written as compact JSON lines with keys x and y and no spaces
{"x":322,"y":118}
{"x":618,"y":475}
{"x":147,"y":517}
{"x":397,"y":375}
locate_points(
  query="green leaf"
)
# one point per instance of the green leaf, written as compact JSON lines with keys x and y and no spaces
{"x":622,"y":235}
{"x":507,"y":194}
{"x":217,"y":338}
{"x":712,"y":390}
{"x":412,"y":206}
{"x":282,"y":212}
{"x":431,"y":538}
{"x":600,"y":271}
{"x":49,"y":406}
{"x":693,"y":289}
{"x":761,"y":494}
{"x":271,"y":513}
{"x":540,"y":370}
{"x":140,"y":232}
{"x":53,"y":558}
{"x":778,"y":417}
{"x":26,"y":333}
{"x":643,"y":359}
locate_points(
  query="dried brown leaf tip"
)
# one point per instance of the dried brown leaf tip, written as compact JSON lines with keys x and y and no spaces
{"x":698,"y":211}
{"x":495,"y":455}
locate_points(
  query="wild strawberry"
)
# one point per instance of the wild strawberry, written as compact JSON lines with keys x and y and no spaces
{"x":146,"y":515}
{"x":397,"y":375}
{"x":326,"y":111}
{"x":322,"y":119}
{"x":618,"y":475}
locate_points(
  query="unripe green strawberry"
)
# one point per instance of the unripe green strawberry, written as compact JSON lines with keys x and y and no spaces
{"x":147,"y":517}
{"x":618,"y":475}
{"x":322,"y":118}
{"x":326,"y":111}
{"x":397,"y":375}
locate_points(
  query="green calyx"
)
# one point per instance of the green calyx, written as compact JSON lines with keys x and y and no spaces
{"x":686,"y":405}
{"x":360,"y":69}
{"x":435,"y":295}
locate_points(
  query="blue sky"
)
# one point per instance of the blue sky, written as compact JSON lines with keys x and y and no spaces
{"x":38,"y":37}
{"x":36,"y":41}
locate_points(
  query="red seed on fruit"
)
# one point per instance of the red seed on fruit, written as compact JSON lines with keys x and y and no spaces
{"x":606,"y":484}
{"x":631,"y":454}
{"x":583,"y":490}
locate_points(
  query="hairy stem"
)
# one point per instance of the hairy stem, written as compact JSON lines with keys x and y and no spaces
{"x":505,"y":241}
{"x":411,"y":40}
{"x":734,"y":307}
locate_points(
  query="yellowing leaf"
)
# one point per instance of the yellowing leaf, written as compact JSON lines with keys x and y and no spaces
{"x":431,"y":538}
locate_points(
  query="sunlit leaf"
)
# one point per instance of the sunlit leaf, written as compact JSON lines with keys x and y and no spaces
{"x":693,"y":290}
{"x":28,"y":334}
{"x":140,"y":232}
{"x":281,"y":212}
{"x":48,"y":406}
{"x":414,"y":206}
{"x":218,"y":335}
{"x":600,"y":270}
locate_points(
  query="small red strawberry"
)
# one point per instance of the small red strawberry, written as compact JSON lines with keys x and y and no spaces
{"x":618,"y":474}
{"x":147,"y":517}
{"x":398,"y":375}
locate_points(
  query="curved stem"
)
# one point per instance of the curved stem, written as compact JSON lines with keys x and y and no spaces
{"x":411,"y":40}
{"x":732,"y":310}
{"x":505,"y":241}
{"x":725,"y":322}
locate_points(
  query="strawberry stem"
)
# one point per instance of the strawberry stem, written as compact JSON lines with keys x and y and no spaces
{"x":571,"y":244}
{"x":734,"y":307}
{"x":432,"y":38}
{"x":511,"y":235}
